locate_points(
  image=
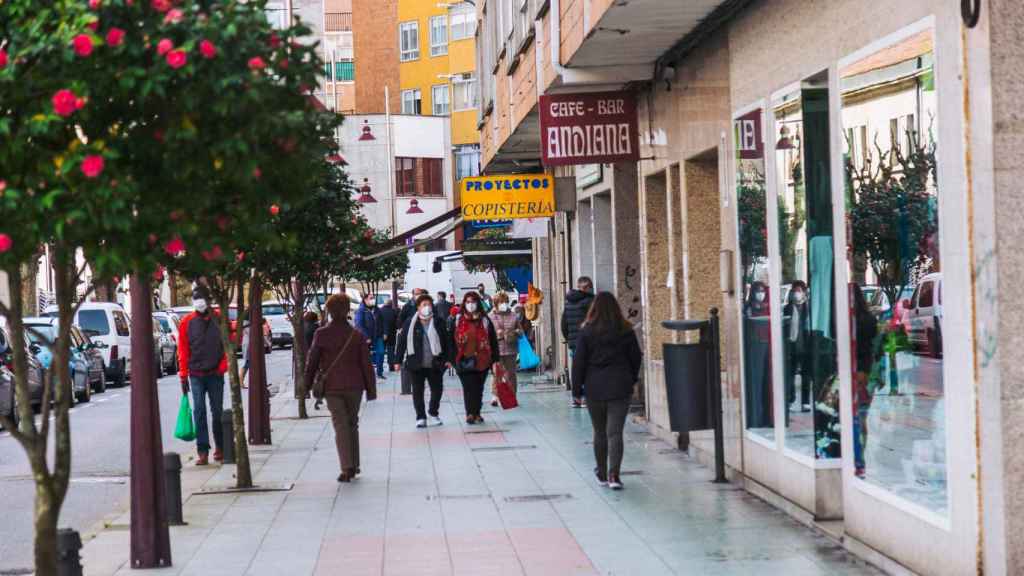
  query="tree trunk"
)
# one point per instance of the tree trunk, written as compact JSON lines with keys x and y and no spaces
{"x":259,"y":401}
{"x":46,"y":513}
{"x":29,"y":292}
{"x":299,"y":350}
{"x":243,"y":471}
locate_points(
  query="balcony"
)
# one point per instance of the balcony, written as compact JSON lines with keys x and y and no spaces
{"x":337,"y":21}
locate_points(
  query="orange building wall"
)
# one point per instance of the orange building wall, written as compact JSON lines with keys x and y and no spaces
{"x":375,"y":39}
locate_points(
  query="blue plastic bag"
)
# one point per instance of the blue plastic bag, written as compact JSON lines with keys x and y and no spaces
{"x":528,"y":359}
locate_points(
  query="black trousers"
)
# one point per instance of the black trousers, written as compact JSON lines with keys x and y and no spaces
{"x":473,"y":391}
{"x":420,"y":378}
{"x":798,"y":363}
{"x":608,"y":418}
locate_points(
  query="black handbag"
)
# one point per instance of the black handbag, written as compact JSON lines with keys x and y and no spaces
{"x":467,"y":364}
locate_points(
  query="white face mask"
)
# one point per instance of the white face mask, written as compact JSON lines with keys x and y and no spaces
{"x":503,"y":307}
{"x":200,"y":305}
{"x":759,"y":296}
{"x":426,"y":312}
{"x":799,"y":297}
{"x":471,"y":307}
{"x":370,"y":303}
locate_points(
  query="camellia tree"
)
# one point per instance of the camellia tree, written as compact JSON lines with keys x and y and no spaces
{"x":371,"y":272}
{"x":137,"y":132}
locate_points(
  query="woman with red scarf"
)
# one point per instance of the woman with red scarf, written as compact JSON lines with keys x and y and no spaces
{"x":476,"y":350}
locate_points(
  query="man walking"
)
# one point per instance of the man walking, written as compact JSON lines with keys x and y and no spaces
{"x":485,"y":298}
{"x":443,"y":306}
{"x":388,"y":328}
{"x":367,"y":321}
{"x":201,"y":367}
{"x":577,"y":303}
{"x":408,"y":311}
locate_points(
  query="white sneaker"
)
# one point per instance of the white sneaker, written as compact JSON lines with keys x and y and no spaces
{"x":421,"y":423}
{"x":436,"y":420}
{"x":615,"y":484}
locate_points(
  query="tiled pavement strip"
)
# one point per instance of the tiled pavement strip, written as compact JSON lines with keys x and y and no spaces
{"x":440,"y":501}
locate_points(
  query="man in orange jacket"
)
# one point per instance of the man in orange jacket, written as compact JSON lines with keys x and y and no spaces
{"x":201,"y":366}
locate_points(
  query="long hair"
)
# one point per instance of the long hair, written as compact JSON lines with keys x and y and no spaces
{"x":605,"y":316}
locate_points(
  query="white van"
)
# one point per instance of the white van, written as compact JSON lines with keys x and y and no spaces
{"x":923,"y":317}
{"x":108,"y":323}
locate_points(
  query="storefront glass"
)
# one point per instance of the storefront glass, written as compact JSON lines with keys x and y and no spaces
{"x":806,"y":282}
{"x":752,"y":216}
{"x":889,"y":121}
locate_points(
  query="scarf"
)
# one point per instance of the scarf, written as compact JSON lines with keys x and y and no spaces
{"x":471,"y":335}
{"x":794,"y":323}
{"x":435,"y":340}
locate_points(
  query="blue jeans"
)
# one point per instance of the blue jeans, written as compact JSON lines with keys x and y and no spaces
{"x":377,"y":350}
{"x":203,"y":386}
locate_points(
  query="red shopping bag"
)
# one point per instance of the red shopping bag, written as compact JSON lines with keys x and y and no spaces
{"x":506,"y":395}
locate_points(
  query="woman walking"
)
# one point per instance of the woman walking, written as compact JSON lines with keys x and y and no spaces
{"x":340,"y":351}
{"x":476,"y":350}
{"x":424,"y":346}
{"x":506,"y":326}
{"x":604,"y":370}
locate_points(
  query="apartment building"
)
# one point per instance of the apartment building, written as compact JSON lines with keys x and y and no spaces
{"x":836,"y":179}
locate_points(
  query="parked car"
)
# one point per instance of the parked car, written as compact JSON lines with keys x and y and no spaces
{"x":94,"y":355}
{"x":276,"y":315}
{"x":233,"y":317}
{"x":180,"y":312}
{"x":8,"y":402}
{"x":923,"y":318}
{"x":35,"y":369}
{"x":107,"y":322}
{"x":41,"y":333}
{"x":165,"y":335}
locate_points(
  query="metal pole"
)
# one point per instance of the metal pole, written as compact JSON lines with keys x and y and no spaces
{"x":69,"y":543}
{"x":172,"y":482}
{"x":227,"y":426}
{"x":715,"y":375}
{"x":150,"y":538}
{"x":259,"y":401}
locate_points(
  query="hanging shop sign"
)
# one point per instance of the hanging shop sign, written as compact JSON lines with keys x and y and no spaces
{"x":589,"y":128}
{"x":749,"y":141}
{"x":508,"y":197}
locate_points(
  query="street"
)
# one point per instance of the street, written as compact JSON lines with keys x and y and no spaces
{"x":100,"y":464}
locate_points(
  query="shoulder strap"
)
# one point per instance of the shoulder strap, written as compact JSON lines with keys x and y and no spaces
{"x":343,"y":350}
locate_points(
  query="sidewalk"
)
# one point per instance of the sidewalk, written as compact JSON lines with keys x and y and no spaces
{"x":516,"y":496}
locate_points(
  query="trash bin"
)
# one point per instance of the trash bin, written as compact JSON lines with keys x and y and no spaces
{"x":693,"y":383}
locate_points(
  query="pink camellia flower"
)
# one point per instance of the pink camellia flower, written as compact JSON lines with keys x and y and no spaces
{"x":3,"y":186}
{"x":257,"y":63}
{"x":174,"y":246}
{"x":275,"y":40}
{"x":5,"y":242}
{"x":275,"y":209}
{"x":3,"y":58}
{"x":214,"y":253}
{"x":95,"y":4}
{"x":283,"y":64}
{"x":79,"y":103}
{"x":94,"y":25}
{"x":207,"y":49}
{"x":82,"y":44}
{"x":92,"y":166}
{"x":115,"y":37}
{"x":164,"y":46}
{"x":161,"y":5}
{"x":65,"y":103}
{"x":177,"y":58}
{"x":173,"y":16}
{"x":240,"y":256}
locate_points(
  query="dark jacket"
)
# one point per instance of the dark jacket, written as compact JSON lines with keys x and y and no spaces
{"x":492,"y":337}
{"x":605,"y":367}
{"x":414,"y":362}
{"x":352,"y":372}
{"x":577,"y":303}
{"x":309,"y":329}
{"x":408,"y":311}
{"x":388,"y":317}
{"x":366,"y":321}
{"x":200,"y":349}
{"x":443,"y":309}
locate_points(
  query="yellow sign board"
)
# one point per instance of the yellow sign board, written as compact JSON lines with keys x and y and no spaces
{"x":508,"y":197}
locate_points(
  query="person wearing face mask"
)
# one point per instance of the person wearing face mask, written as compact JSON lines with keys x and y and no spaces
{"x":367,"y":321}
{"x":201,"y":367}
{"x":425,"y":348}
{"x":476,"y":351}
{"x":796,"y":336}
{"x":506,"y":326}
{"x":485,"y":299}
{"x":757,"y":352}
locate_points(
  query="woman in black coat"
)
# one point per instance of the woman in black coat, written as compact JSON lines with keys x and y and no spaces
{"x":605,"y":368}
{"x":425,"y":349}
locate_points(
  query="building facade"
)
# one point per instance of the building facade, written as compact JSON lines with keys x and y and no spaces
{"x":842,"y":207}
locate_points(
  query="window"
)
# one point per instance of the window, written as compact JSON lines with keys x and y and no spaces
{"x":467,"y":161}
{"x":121,"y":322}
{"x":419,"y":177}
{"x":94,"y":322}
{"x":409,"y":41}
{"x":343,"y":72}
{"x":927,"y":297}
{"x":465,"y":93}
{"x":411,"y":102}
{"x":439,"y":99}
{"x":438,"y":35}
{"x":276,"y":14}
{"x":463,"y":21}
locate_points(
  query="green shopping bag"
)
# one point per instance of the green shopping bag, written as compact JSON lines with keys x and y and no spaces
{"x":186,"y":428}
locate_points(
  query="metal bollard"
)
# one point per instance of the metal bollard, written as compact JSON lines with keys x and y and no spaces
{"x":172,"y":488}
{"x":68,"y":544}
{"x":227,"y":424}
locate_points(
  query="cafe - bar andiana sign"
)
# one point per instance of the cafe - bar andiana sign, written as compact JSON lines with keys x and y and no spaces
{"x":589,"y":128}
{"x":507,"y":197}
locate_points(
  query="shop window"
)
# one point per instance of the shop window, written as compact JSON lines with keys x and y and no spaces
{"x":806,"y":280}
{"x":892,"y":219}
{"x":758,"y":306}
{"x":419,"y":176}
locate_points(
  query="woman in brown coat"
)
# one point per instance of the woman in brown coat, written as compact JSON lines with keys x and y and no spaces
{"x":338,"y":349}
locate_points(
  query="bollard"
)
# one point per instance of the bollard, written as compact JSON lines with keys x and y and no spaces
{"x":172,"y":488}
{"x":227,"y":424}
{"x":68,"y":544}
